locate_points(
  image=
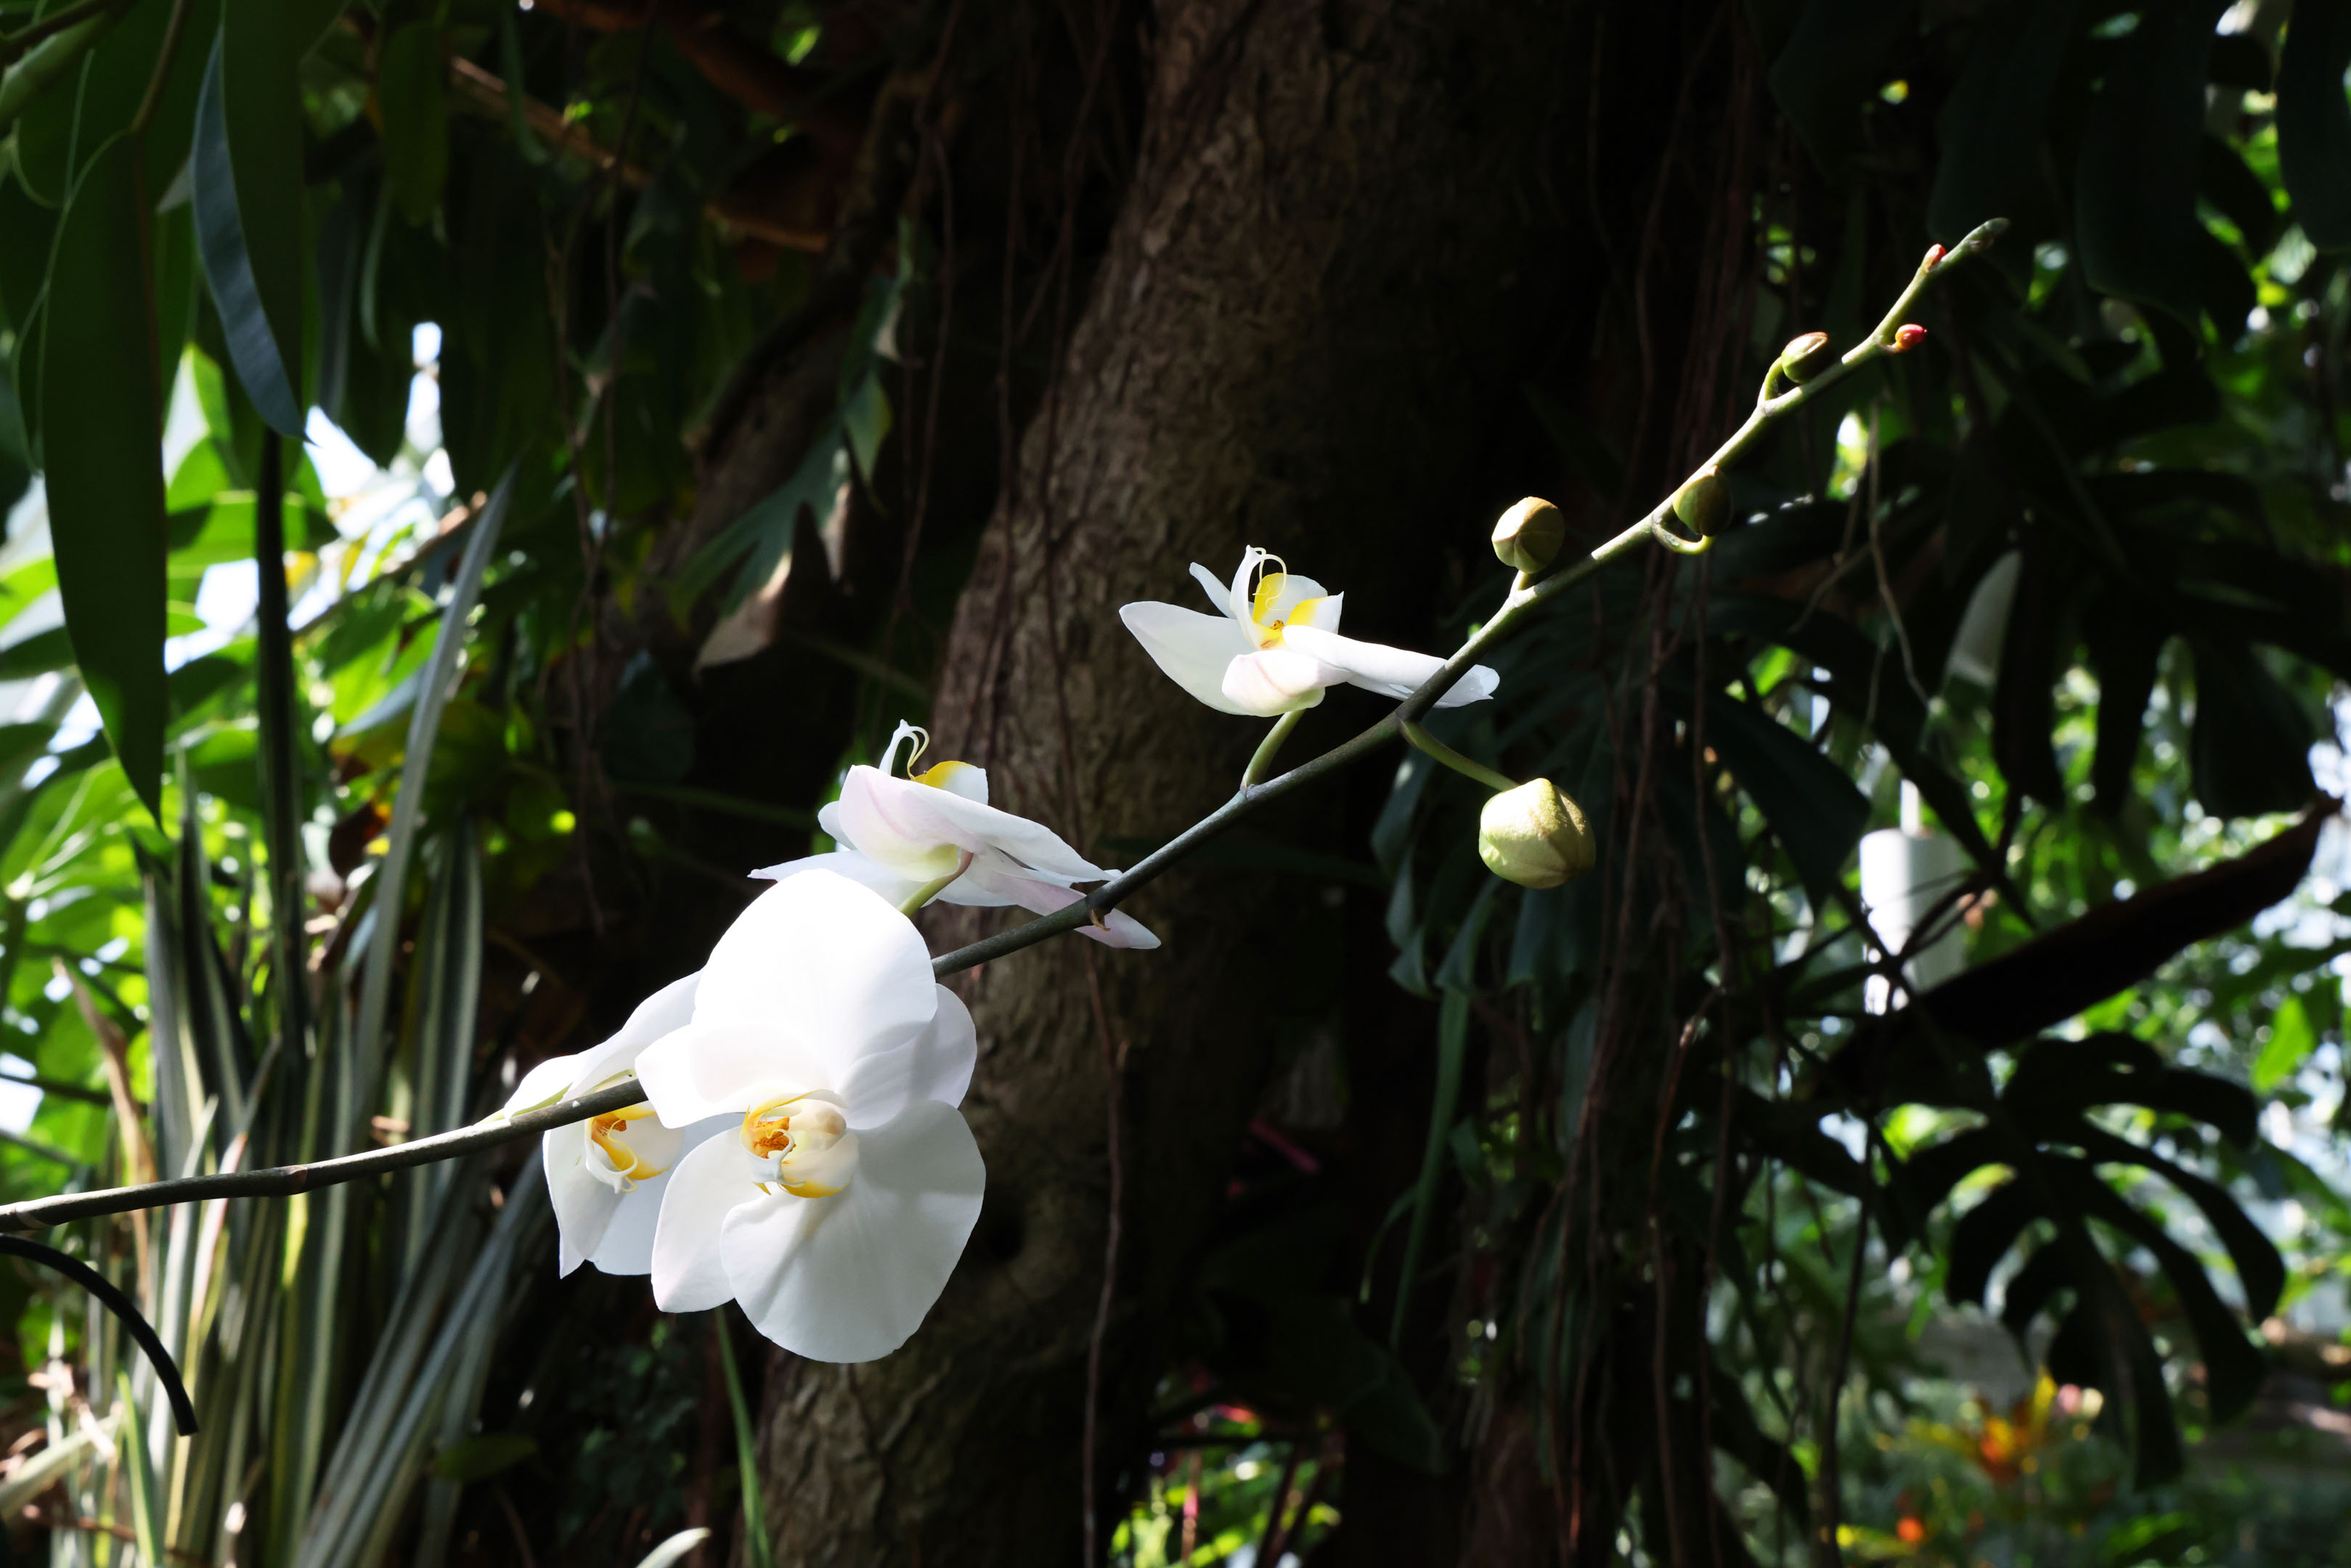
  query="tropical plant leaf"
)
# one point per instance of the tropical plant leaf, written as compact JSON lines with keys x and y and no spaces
{"x":101,"y":407}
{"x":2249,"y":747}
{"x":2314,"y":123}
{"x":2134,"y":182}
{"x":410,"y":90}
{"x":1992,"y":122}
{"x":1808,"y":801}
{"x":245,"y":180}
{"x":1832,"y":64}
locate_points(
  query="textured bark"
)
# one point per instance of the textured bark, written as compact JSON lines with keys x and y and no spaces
{"x":1308,"y":324}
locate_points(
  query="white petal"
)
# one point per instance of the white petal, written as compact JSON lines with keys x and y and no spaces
{"x":1045,"y":898}
{"x":850,"y":1278}
{"x":1215,"y":589}
{"x":977,"y":887}
{"x":937,"y":1066}
{"x":1392,"y":672}
{"x":1321,"y":613}
{"x":689,"y":1274}
{"x":1275,"y":682}
{"x":825,"y":966}
{"x":725,"y":1068}
{"x":627,"y":1246}
{"x":883,"y":819}
{"x":1191,"y":649}
{"x":856,"y":867}
{"x":543,"y":1084}
{"x":956,"y":779}
{"x":583,"y":1206}
{"x":978,"y":828}
{"x":667,"y":1009}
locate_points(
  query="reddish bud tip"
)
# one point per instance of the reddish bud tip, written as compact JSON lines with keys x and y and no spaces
{"x":1935,"y":254}
{"x":1908,"y":337}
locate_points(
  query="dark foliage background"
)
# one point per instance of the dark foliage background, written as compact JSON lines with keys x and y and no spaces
{"x":696,"y":355}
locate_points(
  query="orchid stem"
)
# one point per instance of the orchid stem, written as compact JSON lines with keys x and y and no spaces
{"x":930,"y":890}
{"x":1455,"y":761}
{"x":36,"y":1214}
{"x":1523,"y":596}
{"x":1401,"y":721}
{"x":1267,"y":746}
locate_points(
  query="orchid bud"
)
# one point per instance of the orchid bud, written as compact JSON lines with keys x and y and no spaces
{"x":1535,"y":836}
{"x":1704,"y":504}
{"x":1528,"y":535}
{"x":1906,"y":337}
{"x":1803,"y":356}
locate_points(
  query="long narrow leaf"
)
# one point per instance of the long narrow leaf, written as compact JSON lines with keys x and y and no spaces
{"x":423,"y":723}
{"x":101,"y":413}
{"x":1452,"y":1049}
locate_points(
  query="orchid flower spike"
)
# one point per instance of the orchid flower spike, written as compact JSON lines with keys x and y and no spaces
{"x":605,"y":1176}
{"x":903,"y":836}
{"x":837,"y":1199}
{"x":1277,"y":646}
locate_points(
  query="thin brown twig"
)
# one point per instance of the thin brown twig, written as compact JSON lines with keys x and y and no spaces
{"x":1832,"y":1476}
{"x":152,"y":98}
{"x":484,"y":93}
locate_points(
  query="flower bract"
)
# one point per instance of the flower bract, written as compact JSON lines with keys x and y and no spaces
{"x":1275,"y":647}
{"x":899,"y":835}
{"x":836,"y":1199}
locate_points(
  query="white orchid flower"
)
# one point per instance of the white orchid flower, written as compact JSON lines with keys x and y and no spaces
{"x":1277,"y":646}
{"x":836,"y":1202}
{"x":604,"y":1176}
{"x":901,"y":836}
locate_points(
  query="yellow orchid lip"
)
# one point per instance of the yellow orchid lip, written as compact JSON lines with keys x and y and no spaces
{"x":938,"y":776}
{"x":605,"y":1132}
{"x":824,"y":1151}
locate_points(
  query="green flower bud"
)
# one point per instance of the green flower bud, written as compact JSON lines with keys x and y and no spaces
{"x":1535,"y":836}
{"x":1528,"y":535}
{"x":1704,"y":504}
{"x":1803,"y":356}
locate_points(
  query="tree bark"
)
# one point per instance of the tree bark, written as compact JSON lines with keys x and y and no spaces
{"x":1309,"y":325}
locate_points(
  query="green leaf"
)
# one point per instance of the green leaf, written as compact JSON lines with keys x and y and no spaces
{"x":482,"y":1454}
{"x":245,"y":180}
{"x":1832,"y":64}
{"x":176,"y":282}
{"x":510,"y":59}
{"x":433,"y":691}
{"x":1992,"y":123}
{"x":64,"y":128}
{"x":2314,"y":123}
{"x":102,"y":406}
{"x":2250,"y":747}
{"x":37,"y":655}
{"x":2135,"y":185}
{"x":410,"y":90}
{"x":2223,"y":180}
{"x":756,"y":1546}
{"x":2292,"y":1039}
{"x":1452,"y":1049}
{"x":1810,"y":802}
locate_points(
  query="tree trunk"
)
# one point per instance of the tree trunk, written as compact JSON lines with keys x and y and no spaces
{"x":1341,"y":254}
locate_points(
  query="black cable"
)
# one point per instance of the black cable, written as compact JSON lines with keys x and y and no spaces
{"x":183,"y":1413}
